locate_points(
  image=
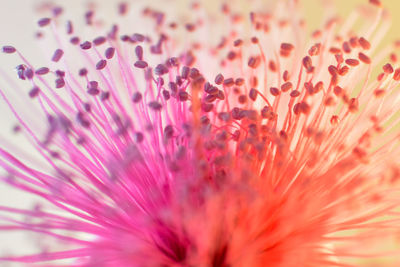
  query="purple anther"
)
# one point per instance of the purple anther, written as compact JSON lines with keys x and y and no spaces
{"x":109,"y":53}
{"x":101,"y":64}
{"x":141,"y":64}
{"x":42,"y":71}
{"x":57,"y":55}
{"x":99,"y":40}
{"x":86,"y":45}
{"x":9,"y":49}
{"x":44,"y":22}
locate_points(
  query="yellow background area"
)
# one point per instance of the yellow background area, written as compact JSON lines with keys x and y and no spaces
{"x":313,"y":11}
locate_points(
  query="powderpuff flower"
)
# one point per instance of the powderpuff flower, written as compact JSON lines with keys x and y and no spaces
{"x":216,"y":139}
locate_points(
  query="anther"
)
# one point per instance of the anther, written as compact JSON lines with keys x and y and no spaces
{"x":109,"y":53}
{"x":136,"y":97}
{"x":8,"y":49}
{"x":274,"y":91}
{"x":138,"y":37}
{"x":294,"y":93}
{"x":44,"y":22}
{"x":253,"y":94}
{"x":141,"y":64}
{"x":219,"y":79}
{"x":42,"y":71}
{"x":154,"y":105}
{"x":307,"y":64}
{"x":122,"y":8}
{"x":364,"y":58}
{"x":83,"y":72}
{"x":396,"y":75}
{"x":99,"y":40}
{"x":352,"y":62}
{"x":57,"y":55}
{"x":388,"y":69}
{"x":86,"y":45}
{"x":101,"y":64}
{"x":34,"y":92}
{"x":237,"y":43}
{"x":286,"y":86}
{"x":60,"y":83}
{"x":376,"y":2}
{"x":139,"y":52}
{"x":364,"y":43}
{"x":229,"y":82}
{"x":239,"y":81}
{"x":254,"y":62}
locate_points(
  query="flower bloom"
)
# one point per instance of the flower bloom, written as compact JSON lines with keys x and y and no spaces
{"x":211,"y":141}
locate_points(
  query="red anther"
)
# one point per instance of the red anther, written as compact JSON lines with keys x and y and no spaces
{"x":339,"y":58}
{"x":335,"y":50}
{"x":364,"y":43}
{"x":272,"y":66}
{"x":346,"y":47}
{"x":237,"y":42}
{"x":364,"y":58}
{"x":353,"y":42}
{"x":352,"y":62}
{"x":329,"y":101}
{"x":335,"y":79}
{"x":254,"y":62}
{"x":318,"y":87}
{"x":296,"y":109}
{"x":316,"y":34}
{"x":338,"y":91}
{"x":307,"y":64}
{"x":239,"y":81}
{"x":286,"y":86}
{"x":314,"y":50}
{"x":388,"y":69}
{"x":231,"y":55}
{"x":287,"y":47}
{"x":294,"y":93}
{"x":343,"y":70}
{"x":229,"y":82}
{"x":305,"y":108}
{"x":309,"y":87}
{"x":334,"y":120}
{"x":219,"y":79}
{"x":253,"y":81}
{"x":332,"y":70}
{"x":285,"y":76}
{"x":379,"y":93}
{"x":396,"y":75}
{"x":254,"y":40}
{"x":353,"y":105}
{"x":380,"y":76}
{"x":190,"y":27}
{"x":393,"y":57}
{"x":274,"y":91}
{"x":253,"y":94}
{"x":376,"y":2}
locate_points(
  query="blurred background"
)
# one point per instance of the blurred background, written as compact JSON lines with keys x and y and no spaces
{"x":17,"y":27}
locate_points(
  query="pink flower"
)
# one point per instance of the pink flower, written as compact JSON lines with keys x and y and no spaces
{"x":208,"y":141}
